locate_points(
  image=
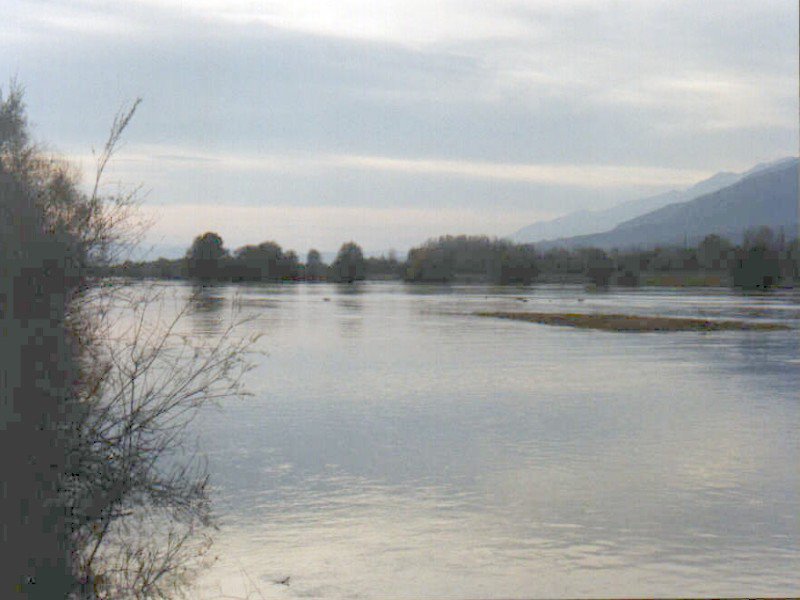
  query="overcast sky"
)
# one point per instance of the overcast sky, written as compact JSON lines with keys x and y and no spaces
{"x":312,"y":122}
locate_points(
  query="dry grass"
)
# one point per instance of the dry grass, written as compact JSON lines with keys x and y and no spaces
{"x":632,"y":323}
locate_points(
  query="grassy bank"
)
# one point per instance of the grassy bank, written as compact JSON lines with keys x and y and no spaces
{"x":632,"y":323}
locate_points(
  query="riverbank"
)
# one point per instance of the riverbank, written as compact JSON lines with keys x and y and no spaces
{"x":632,"y":323}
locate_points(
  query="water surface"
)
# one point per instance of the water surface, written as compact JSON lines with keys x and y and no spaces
{"x":396,"y":446}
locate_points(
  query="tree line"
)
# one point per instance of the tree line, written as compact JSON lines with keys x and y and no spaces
{"x":764,"y":259}
{"x":207,"y":259}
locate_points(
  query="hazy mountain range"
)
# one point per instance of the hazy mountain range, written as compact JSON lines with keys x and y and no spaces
{"x":727,"y":204}
{"x":765,"y":195}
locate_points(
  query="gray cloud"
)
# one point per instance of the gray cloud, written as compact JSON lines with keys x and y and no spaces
{"x":639,"y":84}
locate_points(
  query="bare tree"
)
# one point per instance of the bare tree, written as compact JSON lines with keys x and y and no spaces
{"x":141,"y":507}
{"x":134,"y":507}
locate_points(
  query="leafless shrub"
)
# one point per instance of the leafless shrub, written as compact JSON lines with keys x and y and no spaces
{"x":143,"y":384}
{"x":136,"y":506}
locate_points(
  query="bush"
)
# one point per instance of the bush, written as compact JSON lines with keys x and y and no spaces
{"x":98,"y":400}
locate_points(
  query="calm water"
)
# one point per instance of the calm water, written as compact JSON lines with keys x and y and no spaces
{"x":397,"y":447}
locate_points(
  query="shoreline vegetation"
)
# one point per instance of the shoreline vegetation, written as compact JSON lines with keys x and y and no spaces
{"x":632,"y":323}
{"x":102,"y":497}
{"x":762,"y":260}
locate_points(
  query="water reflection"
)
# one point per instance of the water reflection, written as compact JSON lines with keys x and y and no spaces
{"x":351,"y":289}
{"x":349,"y":303}
{"x":397,"y":445}
{"x":429,"y":289}
{"x":205,"y":309}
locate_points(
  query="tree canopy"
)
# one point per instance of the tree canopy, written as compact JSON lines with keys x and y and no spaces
{"x":349,"y":265}
{"x":204,"y":256}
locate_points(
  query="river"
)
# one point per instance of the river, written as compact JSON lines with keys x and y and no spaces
{"x":394,"y":445}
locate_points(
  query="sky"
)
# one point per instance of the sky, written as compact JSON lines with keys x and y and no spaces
{"x":314,"y":122}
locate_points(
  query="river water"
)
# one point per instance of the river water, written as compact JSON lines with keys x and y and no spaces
{"x":396,"y":446}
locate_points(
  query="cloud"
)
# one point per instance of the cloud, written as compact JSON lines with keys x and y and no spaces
{"x":568,"y":81}
{"x":537,"y":104}
{"x":575,"y":175}
{"x":589,"y":176}
{"x":712,"y":100}
{"x":411,"y":22}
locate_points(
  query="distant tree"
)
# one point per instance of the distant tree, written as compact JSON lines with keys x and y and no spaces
{"x":756,"y":268}
{"x":713,"y":252}
{"x":598,"y":267}
{"x":793,"y":259}
{"x":687,"y":259}
{"x":246,"y":264}
{"x":289,"y":266}
{"x":384,"y":267}
{"x":660,"y":259}
{"x":780,"y":242}
{"x":349,"y":265}
{"x":757,"y":264}
{"x":205,"y":255}
{"x":271,"y":255}
{"x":560,"y":260}
{"x":261,"y":262}
{"x":517,"y":264}
{"x":471,"y":258}
{"x":762,"y":238}
{"x":628,"y":268}
{"x":429,"y":264}
{"x":315,"y":268}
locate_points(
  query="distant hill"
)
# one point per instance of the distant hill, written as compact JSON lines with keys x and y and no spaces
{"x":584,"y":222}
{"x":766,"y":195}
{"x":592,"y":221}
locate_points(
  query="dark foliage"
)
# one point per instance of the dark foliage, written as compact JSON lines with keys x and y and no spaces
{"x":472,"y":258}
{"x":349,"y":265}
{"x":204,"y":257}
{"x":763,"y":260}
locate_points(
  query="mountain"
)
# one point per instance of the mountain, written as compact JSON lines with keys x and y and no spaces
{"x":592,"y":221}
{"x":768,"y":195}
{"x":766,"y":166}
{"x":585,"y":222}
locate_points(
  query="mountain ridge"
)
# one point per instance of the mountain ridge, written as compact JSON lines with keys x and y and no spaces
{"x":586,"y":222}
{"x":767,"y":196}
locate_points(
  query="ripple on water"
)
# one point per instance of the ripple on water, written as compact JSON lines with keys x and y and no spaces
{"x":395,"y":446}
